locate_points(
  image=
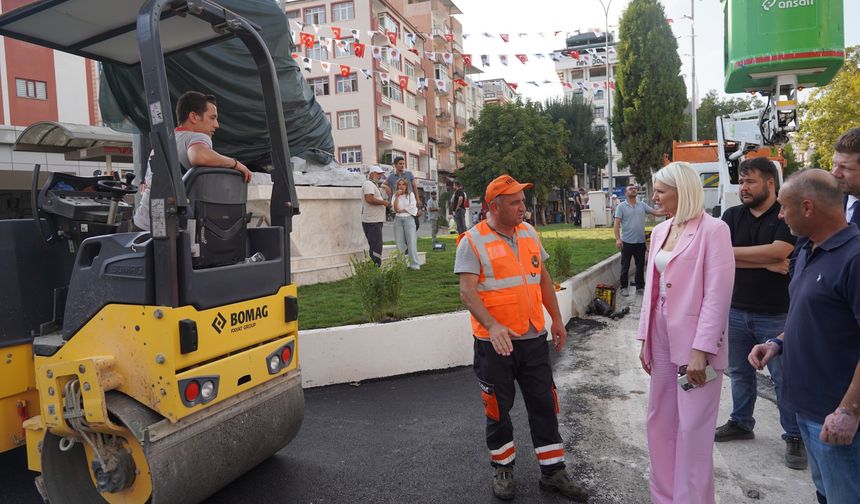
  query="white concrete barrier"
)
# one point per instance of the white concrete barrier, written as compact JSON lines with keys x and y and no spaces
{"x":361,"y":352}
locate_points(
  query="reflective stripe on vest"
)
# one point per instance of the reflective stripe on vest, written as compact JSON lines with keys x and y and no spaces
{"x":509,"y":286}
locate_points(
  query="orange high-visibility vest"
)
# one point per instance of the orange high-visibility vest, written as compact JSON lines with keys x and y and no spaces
{"x":509,"y":285}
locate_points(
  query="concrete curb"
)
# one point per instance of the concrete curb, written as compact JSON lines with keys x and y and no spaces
{"x":362,"y":352}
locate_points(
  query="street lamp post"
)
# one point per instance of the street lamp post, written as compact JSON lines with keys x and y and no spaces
{"x":693,"y":84}
{"x":608,"y":92}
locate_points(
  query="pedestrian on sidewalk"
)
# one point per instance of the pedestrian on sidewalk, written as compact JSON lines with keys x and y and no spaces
{"x":762,"y":244}
{"x":820,"y":346}
{"x":629,"y":229}
{"x":458,"y":207}
{"x":433,"y":215}
{"x":373,"y":208}
{"x":688,"y":289}
{"x":405,"y":233}
{"x":505,"y":286}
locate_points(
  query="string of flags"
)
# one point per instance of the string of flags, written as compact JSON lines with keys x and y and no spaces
{"x":587,"y":57}
{"x":441,"y":85}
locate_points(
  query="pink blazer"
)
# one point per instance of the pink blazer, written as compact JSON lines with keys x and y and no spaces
{"x":700,"y":276}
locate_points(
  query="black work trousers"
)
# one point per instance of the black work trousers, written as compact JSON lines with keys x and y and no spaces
{"x":529,"y":366}
{"x":637,"y":251}
{"x":373,"y":233}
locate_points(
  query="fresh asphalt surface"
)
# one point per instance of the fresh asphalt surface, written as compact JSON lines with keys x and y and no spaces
{"x":419,"y":439}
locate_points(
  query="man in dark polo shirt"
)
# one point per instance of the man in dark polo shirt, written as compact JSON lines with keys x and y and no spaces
{"x":762,"y":244}
{"x":821,"y":342}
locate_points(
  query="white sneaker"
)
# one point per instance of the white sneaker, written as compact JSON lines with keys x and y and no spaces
{"x":625,"y":291}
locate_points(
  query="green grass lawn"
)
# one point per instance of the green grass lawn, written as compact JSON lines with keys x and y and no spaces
{"x":435,"y":288}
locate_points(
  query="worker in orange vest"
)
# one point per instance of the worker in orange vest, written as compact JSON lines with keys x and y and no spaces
{"x":505,"y":286}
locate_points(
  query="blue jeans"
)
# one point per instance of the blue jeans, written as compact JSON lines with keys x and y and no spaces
{"x":747,"y":329}
{"x":405,"y":236}
{"x":834,"y":468}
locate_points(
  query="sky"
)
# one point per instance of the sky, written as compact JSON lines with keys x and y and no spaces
{"x":566,"y":16}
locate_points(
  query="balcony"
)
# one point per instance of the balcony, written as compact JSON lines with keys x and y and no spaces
{"x":383,"y":135}
{"x":442,"y":114}
{"x":460,"y":121}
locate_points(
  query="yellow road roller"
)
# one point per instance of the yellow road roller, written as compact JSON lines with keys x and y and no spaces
{"x":148,"y":366}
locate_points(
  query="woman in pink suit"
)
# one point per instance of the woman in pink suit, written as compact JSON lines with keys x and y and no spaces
{"x":688,"y":288}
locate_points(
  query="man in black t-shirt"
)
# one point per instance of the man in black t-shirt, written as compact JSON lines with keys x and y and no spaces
{"x":458,"y":207}
{"x":762,"y":244}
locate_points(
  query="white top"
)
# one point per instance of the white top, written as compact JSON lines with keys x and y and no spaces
{"x":371,"y":213}
{"x":849,"y":210}
{"x":407,"y":202}
{"x":660,"y":262}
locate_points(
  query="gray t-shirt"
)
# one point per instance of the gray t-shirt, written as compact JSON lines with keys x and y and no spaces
{"x":371,"y":213}
{"x":432,"y":209}
{"x":632,"y":221}
{"x":392,"y":178}
{"x":184,"y":140}
{"x":466,"y":261}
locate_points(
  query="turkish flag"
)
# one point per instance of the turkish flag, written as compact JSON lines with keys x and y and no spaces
{"x":504,"y":36}
{"x":306,"y":39}
{"x":574,"y":54}
{"x":392,"y":37}
{"x":403,"y":80}
{"x":414,"y":51}
{"x":336,"y":31}
{"x":522,"y":57}
{"x":467,"y":59}
{"x":358,"y":49}
{"x":344,"y":71}
{"x":461,"y":82}
{"x":449,"y":37}
{"x":513,"y":85}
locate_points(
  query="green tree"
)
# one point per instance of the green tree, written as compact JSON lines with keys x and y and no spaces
{"x":586,"y":144}
{"x":518,"y":140}
{"x":650,"y":95}
{"x":832,"y":109}
{"x":791,"y":163}
{"x":712,"y":106}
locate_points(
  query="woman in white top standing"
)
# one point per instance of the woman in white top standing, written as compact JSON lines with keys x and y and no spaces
{"x":405,"y":234}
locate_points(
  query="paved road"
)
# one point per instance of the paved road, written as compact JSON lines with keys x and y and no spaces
{"x":419,"y":439}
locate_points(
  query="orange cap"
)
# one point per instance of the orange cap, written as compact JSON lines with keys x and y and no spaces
{"x":503,"y":184}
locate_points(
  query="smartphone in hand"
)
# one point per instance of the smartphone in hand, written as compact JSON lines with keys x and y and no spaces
{"x":710,"y":374}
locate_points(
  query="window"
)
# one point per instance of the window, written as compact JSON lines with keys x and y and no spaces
{"x":440,"y":72}
{"x":413,"y":162}
{"x":349,"y":154}
{"x":412,"y":132}
{"x":390,"y":155}
{"x":37,"y":90}
{"x":410,"y":101}
{"x":406,"y":41}
{"x":392,"y":90}
{"x":410,"y":69}
{"x":388,"y":24}
{"x":598,"y":112}
{"x":598,"y":95}
{"x":294,"y":14}
{"x":315,"y":15}
{"x":319,"y":85}
{"x":346,"y":84}
{"x":318,"y":51}
{"x":347,"y":119}
{"x":396,"y":126}
{"x":342,"y":11}
{"x":343,"y":48}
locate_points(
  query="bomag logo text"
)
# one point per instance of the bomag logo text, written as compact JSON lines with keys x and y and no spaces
{"x":785,"y":4}
{"x":246,"y":319}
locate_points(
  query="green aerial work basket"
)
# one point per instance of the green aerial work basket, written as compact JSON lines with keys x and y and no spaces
{"x":766,"y":38}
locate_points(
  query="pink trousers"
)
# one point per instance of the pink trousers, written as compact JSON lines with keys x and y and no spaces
{"x":680,"y":427}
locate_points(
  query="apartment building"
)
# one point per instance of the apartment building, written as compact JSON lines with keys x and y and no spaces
{"x":375,"y":119}
{"x":498,"y":91}
{"x":583,"y":72}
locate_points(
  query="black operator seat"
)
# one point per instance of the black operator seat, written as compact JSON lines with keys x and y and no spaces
{"x":217,"y":221}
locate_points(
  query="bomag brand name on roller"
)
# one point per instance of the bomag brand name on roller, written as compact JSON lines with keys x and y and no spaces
{"x":785,"y":4}
{"x":246,"y":319}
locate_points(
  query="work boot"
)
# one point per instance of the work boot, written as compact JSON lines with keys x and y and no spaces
{"x":731,"y":431}
{"x":504,"y":486}
{"x":795,"y":454}
{"x":560,"y":482}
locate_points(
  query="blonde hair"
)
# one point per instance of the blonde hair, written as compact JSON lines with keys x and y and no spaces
{"x":686,"y":182}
